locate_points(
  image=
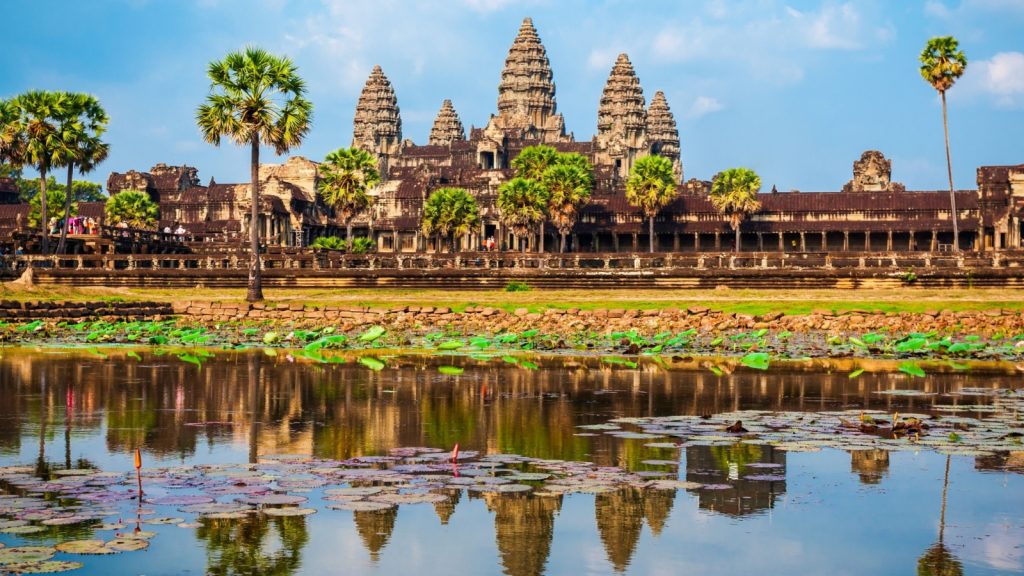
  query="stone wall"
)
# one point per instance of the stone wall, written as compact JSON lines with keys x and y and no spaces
{"x":31,"y":309}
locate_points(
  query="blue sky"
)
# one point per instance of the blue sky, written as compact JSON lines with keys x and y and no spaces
{"x":795,"y":89}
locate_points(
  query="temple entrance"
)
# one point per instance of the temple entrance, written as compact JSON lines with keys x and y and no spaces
{"x":487,"y":160}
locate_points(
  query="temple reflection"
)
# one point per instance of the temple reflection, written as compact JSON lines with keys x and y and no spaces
{"x":872,"y":466}
{"x":257,"y":544}
{"x":375,"y":529}
{"x":524,"y":527}
{"x":729,"y":470}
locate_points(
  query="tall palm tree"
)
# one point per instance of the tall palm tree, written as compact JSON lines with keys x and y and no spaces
{"x":83,"y":124}
{"x":531,"y":163}
{"x":450,"y":213}
{"x":255,"y":98}
{"x":942,"y":64}
{"x":523,"y":204}
{"x":651,"y":187}
{"x":40,"y":115}
{"x":568,"y":188}
{"x":734,"y":193}
{"x":346,"y":175}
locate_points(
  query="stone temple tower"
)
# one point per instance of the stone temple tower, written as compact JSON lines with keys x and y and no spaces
{"x":377,"y":127}
{"x":447,"y":126}
{"x":526,"y":94}
{"x":662,"y":133}
{"x":621,"y":119}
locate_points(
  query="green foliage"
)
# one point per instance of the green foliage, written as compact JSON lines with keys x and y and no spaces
{"x":568,"y":186}
{"x":346,"y":176}
{"x":533,"y":161}
{"x":908,"y":277}
{"x":450,"y":212}
{"x":942,"y":62}
{"x":734,"y":193}
{"x":516,"y":286}
{"x":362,"y":245}
{"x":522,"y":204}
{"x":651,"y":185}
{"x":28,"y":188}
{"x":54,"y":198}
{"x":329,"y":243}
{"x":134,"y":208}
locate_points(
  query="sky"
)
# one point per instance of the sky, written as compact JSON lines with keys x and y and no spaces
{"x":795,"y":89}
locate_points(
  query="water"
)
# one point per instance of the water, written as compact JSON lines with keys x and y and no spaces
{"x":856,"y":512}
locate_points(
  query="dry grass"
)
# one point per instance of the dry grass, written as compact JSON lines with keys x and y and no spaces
{"x":747,"y":301}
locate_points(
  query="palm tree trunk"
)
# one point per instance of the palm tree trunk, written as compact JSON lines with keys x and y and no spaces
{"x":348,"y":234}
{"x":43,"y":221}
{"x":736,"y":229}
{"x":561,"y":245}
{"x":255,"y":292}
{"x":945,"y":488}
{"x":68,"y":192}
{"x":650,"y":232}
{"x":949,"y":170}
{"x":540,"y":245}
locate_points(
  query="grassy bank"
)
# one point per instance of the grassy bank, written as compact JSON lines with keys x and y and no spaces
{"x":739,"y":301}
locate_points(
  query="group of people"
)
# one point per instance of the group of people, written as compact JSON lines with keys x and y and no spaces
{"x":179,"y":232}
{"x":76,"y":225}
{"x":489,"y":244}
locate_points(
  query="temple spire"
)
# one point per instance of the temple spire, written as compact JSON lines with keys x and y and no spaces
{"x":377,"y":125}
{"x":662,"y":133}
{"x":447,"y":126}
{"x":621,"y":117}
{"x":526,"y":93}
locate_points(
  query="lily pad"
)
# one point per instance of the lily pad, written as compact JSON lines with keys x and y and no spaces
{"x":42,"y":567}
{"x":26,"y":554}
{"x":288,"y":512}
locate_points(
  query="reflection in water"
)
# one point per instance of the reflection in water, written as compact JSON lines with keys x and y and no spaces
{"x":524,"y":526}
{"x":871,"y":465}
{"x":243,"y":406}
{"x":938,"y":559}
{"x":257,"y":544}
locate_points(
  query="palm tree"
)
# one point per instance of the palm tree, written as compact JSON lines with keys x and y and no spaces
{"x":134,"y":208}
{"x":83,"y":124}
{"x":450,"y":213}
{"x":651,"y":187}
{"x":568,"y":188}
{"x":12,"y":134}
{"x":734,"y":193}
{"x":346,"y":176}
{"x":942,"y":64}
{"x":40,"y":115}
{"x":522,"y":204}
{"x":531,"y":164}
{"x":255,"y":98}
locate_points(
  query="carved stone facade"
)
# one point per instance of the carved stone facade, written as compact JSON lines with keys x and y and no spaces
{"x":447,"y":126}
{"x":621,"y":119}
{"x":873,"y":173}
{"x":377,"y":125}
{"x":662,"y":133}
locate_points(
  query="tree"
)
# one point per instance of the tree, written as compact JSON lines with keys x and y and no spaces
{"x":450,"y":213}
{"x":522,"y":204}
{"x":942,"y":64}
{"x":132,"y":207}
{"x":82,"y":125}
{"x":40,"y":114}
{"x":346,"y":175}
{"x":54,"y":197}
{"x":734,"y":193}
{"x":568,"y":188}
{"x":255,"y":98}
{"x":12,"y":139}
{"x":531,"y":163}
{"x":28,"y":188}
{"x":651,"y":187}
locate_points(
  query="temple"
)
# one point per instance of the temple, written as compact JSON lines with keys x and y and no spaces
{"x":871,"y":213}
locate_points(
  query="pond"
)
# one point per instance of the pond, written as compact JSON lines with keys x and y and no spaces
{"x":258,"y":462}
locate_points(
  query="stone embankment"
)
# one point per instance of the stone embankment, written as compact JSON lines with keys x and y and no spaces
{"x":483,"y":320}
{"x":34,"y":310}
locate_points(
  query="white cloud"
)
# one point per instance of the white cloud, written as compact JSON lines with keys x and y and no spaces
{"x":837,"y":27}
{"x":703,"y":106}
{"x":1001,"y":76}
{"x":937,"y":9}
{"x":603,"y":58}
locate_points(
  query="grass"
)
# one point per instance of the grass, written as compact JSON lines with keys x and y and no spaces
{"x":535,"y":300}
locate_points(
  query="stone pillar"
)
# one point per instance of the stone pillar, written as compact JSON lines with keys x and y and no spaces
{"x":846,"y":240}
{"x":935,"y":241}
{"x":696,"y":241}
{"x":760,"y":242}
{"x":888,"y":242}
{"x":782,"y":243}
{"x":803,"y":242}
{"x":910,"y":243}
{"x":597,"y":242}
{"x":675,"y":241}
{"x":867,"y":241}
{"x":718,"y":242}
{"x":824,"y":242}
{"x":615,"y":241}
{"x":636,"y":242}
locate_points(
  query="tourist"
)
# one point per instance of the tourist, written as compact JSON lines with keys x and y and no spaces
{"x":92,"y":226}
{"x":54,"y":226}
{"x":180,"y":232}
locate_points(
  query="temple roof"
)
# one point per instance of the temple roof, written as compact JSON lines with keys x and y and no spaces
{"x":377,"y":115}
{"x":621,"y":110}
{"x":447,"y":126}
